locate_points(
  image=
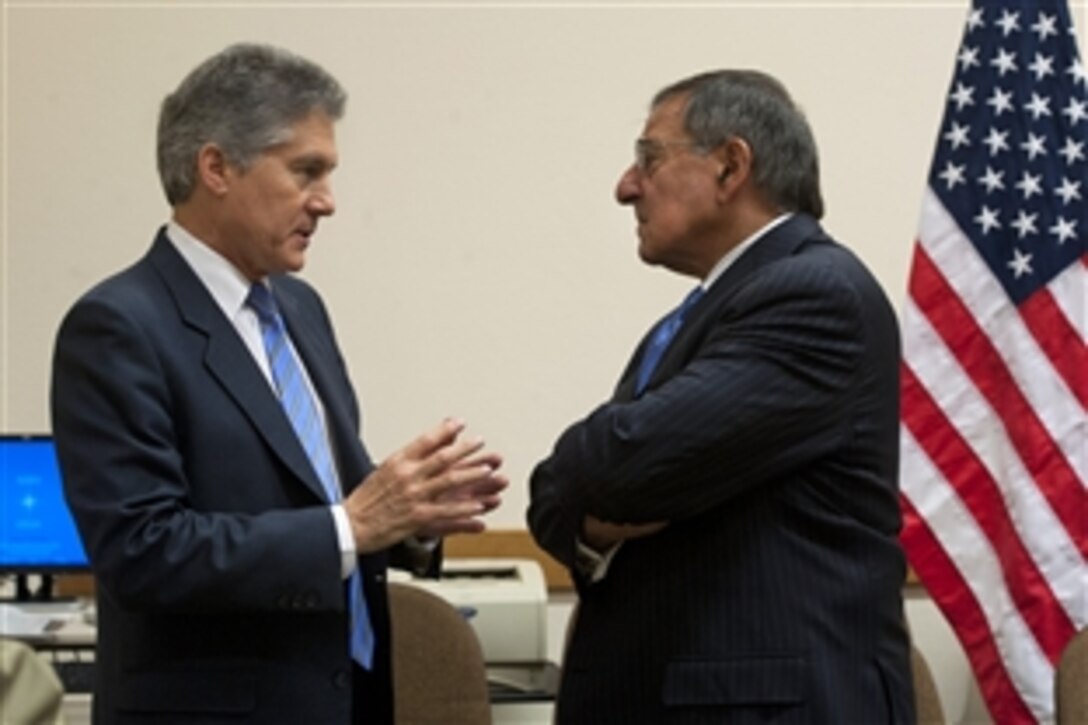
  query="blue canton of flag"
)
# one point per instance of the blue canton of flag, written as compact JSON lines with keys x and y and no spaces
{"x":1011,"y":159}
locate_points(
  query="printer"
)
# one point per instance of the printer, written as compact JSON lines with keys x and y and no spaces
{"x":505,"y":601}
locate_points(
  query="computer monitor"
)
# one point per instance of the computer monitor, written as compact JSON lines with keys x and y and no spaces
{"x":37,"y":532}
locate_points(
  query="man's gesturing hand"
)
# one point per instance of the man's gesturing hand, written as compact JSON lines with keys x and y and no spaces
{"x":435,"y":485}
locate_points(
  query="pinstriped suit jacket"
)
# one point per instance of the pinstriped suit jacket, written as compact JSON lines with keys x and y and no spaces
{"x":768,"y":438}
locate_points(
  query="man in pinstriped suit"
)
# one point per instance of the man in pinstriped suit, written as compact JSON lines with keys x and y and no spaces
{"x":730,"y":516}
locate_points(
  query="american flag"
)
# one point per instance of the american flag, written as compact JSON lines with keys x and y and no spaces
{"x":995,"y":367}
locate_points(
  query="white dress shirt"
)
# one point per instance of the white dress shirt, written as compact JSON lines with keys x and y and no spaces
{"x":230,"y":288}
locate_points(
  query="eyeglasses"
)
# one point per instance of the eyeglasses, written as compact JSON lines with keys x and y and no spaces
{"x":649,"y":152}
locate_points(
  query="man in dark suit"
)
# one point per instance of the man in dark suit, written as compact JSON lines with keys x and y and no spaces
{"x":208,"y":433}
{"x":730,"y":516}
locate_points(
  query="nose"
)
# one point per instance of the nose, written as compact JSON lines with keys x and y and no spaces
{"x":627,"y":189}
{"x":322,"y":201}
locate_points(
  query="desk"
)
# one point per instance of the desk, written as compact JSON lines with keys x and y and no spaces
{"x":515,"y":713}
{"x":48,"y":625}
{"x":77,"y":709}
{"x":521,"y":694}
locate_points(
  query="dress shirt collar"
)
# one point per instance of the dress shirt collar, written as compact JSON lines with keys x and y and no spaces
{"x":228,"y":286}
{"x":733,"y":254}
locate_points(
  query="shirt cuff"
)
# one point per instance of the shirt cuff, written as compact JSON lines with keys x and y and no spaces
{"x":349,"y":556}
{"x":593,"y":564}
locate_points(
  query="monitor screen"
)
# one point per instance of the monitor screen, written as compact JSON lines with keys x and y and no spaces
{"x":37,"y":533}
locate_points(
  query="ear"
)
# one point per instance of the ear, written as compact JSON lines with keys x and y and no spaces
{"x":735,"y":158}
{"x":212,"y":169}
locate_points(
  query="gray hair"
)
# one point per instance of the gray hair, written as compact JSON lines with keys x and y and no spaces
{"x":244,"y":99}
{"x":756,"y":107}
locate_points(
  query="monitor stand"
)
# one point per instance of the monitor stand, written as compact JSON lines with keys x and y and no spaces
{"x":26,"y":593}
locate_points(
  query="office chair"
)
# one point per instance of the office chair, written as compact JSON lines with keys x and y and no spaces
{"x":29,"y":690}
{"x":438,"y":666}
{"x":1070,"y":688}
{"x":927,"y":703}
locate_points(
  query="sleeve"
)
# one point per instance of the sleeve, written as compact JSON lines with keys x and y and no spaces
{"x":768,"y":391}
{"x":420,"y":557}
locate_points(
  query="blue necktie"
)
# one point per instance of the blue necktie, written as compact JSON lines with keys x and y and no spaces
{"x":663,"y":335}
{"x":309,"y":426}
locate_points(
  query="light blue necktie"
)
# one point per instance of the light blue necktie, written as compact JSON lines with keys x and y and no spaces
{"x":662,"y":336}
{"x":309,"y":426}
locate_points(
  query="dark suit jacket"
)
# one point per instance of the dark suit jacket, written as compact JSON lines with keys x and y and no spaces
{"x":768,"y":437}
{"x":219,"y":588}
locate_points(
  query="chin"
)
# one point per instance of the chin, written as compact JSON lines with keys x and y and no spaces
{"x":647,"y":255}
{"x":294,"y":263}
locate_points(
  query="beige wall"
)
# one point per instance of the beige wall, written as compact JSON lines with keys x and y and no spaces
{"x":478,"y":264}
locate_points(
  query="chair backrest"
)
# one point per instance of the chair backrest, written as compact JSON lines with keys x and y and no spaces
{"x":438,"y":665}
{"x":29,"y":690}
{"x":1071,"y":682}
{"x":927,"y":703}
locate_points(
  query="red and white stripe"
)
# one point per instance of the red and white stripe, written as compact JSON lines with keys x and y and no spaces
{"x":995,"y":461}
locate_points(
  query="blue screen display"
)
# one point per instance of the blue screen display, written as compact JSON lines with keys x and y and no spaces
{"x":37,"y":532}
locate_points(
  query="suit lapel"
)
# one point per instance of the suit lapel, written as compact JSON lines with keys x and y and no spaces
{"x":230,"y":362}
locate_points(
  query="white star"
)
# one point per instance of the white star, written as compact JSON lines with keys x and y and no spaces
{"x":1020,"y":263}
{"x":1064,"y":229}
{"x":1042,"y":66}
{"x":952,"y":175}
{"x":1077,"y":111}
{"x":992,"y":180}
{"x":1038,"y":106}
{"x":1000,"y":100}
{"x":997,"y":141}
{"x":963,"y":96}
{"x":1035,"y":146}
{"x":1009,"y":22}
{"x":1030,"y":184}
{"x":1045,"y":25}
{"x":957,"y":136}
{"x":1076,"y":69}
{"x":968,"y":57}
{"x":1068,"y":191}
{"x":1025,"y":224}
{"x":975,"y":20}
{"x":1004,"y":61}
{"x":987,"y":218}
{"x":1072,"y":151}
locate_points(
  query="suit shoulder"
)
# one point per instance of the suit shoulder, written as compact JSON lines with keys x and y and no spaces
{"x":818,"y":274}
{"x":823,"y":261}
{"x":298,"y":290}
{"x":294,"y":285}
{"x":134,"y":289}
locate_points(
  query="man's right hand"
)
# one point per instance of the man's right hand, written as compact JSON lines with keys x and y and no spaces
{"x":436,"y":485}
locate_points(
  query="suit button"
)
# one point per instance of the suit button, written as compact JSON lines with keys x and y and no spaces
{"x":341,"y":679}
{"x":309,"y":600}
